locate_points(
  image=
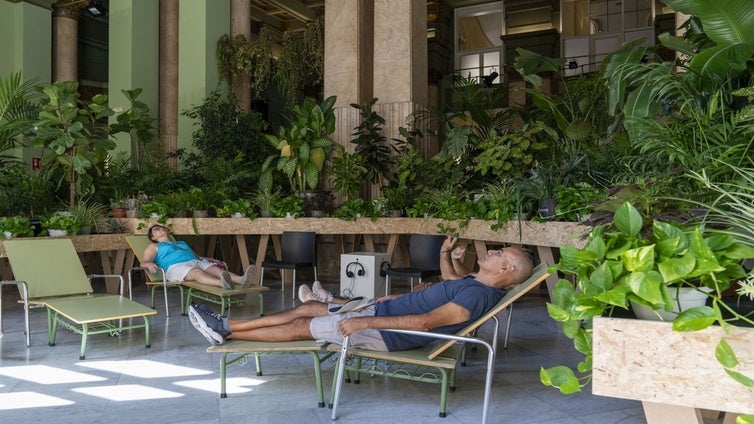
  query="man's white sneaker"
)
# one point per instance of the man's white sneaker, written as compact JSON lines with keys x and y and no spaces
{"x":320,"y":292}
{"x":305,"y":294}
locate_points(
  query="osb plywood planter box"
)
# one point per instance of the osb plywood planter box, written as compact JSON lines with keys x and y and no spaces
{"x":674,"y":374}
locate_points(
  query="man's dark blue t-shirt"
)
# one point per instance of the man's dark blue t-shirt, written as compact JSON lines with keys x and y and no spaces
{"x":472,"y":295}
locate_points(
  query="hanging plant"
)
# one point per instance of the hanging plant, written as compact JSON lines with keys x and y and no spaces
{"x":302,"y":61}
{"x":238,"y":56}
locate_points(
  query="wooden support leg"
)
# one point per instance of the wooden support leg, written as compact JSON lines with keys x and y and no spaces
{"x":660,"y":413}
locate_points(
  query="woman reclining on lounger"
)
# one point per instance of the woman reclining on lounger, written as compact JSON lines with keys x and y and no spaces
{"x":182,"y":264}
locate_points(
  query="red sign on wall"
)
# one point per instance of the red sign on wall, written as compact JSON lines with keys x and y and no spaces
{"x":35,"y":163}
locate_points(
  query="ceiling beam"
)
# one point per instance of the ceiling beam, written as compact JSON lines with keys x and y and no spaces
{"x":296,"y":9}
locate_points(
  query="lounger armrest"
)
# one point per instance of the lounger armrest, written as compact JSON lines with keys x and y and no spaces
{"x":23,"y":288}
{"x":118,"y":276}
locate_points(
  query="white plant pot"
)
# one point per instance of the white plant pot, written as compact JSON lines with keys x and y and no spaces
{"x":8,"y":235}
{"x":688,"y":297}
{"x":56,"y":233}
{"x":238,"y":215}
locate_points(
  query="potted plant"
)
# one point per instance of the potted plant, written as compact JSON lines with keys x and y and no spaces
{"x":59,"y":225}
{"x":303,"y":147}
{"x":265,"y":200}
{"x":156,"y":208}
{"x":625,"y":262}
{"x":87,"y":214}
{"x":197,"y":201}
{"x":290,"y":206}
{"x":576,"y":203}
{"x":239,"y":208}
{"x":16,"y":226}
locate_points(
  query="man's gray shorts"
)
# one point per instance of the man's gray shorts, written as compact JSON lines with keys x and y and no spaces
{"x":326,"y":328}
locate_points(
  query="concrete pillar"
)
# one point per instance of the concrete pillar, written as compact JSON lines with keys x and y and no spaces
{"x":240,"y":24}
{"x":168,"y":96}
{"x":134,"y":56}
{"x":200,"y":24}
{"x":400,"y":61}
{"x":65,"y":29}
{"x":349,"y":39}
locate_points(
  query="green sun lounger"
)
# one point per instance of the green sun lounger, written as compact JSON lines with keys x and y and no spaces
{"x":194,"y":290}
{"x":55,"y":278}
{"x":435,"y":363}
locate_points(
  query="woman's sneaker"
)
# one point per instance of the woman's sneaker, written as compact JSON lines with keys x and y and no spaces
{"x":226,"y":280}
{"x":209,"y":324}
{"x":248,"y":276}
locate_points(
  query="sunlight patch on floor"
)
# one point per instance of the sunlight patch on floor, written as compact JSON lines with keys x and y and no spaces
{"x":127,"y":392}
{"x":19,"y":400}
{"x":144,"y":368}
{"x":44,"y":374}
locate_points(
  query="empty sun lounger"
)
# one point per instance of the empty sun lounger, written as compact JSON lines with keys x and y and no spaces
{"x":54,"y":277}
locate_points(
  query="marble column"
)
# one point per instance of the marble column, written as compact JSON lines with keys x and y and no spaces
{"x":400,"y":61}
{"x":348,"y":61}
{"x":168,"y":97}
{"x":65,"y":28}
{"x":240,"y":24}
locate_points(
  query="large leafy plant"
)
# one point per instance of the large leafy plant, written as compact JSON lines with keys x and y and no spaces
{"x":688,"y":120}
{"x":73,"y":142}
{"x":619,"y":264}
{"x":17,"y":113}
{"x":303,"y":147}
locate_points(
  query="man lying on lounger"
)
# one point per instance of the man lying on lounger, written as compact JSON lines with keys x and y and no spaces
{"x":444,"y":307}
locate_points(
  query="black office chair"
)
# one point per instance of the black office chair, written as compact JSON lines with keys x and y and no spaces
{"x":424,"y":260}
{"x":299,"y":250}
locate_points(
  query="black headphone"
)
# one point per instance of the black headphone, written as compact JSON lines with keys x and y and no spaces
{"x":360,"y":271}
{"x":384,"y":266}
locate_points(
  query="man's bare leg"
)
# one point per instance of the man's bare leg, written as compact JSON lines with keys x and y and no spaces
{"x":298,"y":329}
{"x":305,"y":310}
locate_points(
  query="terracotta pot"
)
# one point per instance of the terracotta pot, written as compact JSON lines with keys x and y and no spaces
{"x":119,"y":212}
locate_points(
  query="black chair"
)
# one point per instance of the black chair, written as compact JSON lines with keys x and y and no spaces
{"x":424,"y":260}
{"x":299,"y":250}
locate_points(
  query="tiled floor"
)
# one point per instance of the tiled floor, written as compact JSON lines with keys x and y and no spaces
{"x":177,"y":381}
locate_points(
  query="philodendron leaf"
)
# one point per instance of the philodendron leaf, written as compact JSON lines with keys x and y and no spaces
{"x":725,"y":355}
{"x":694,"y":319}
{"x":641,"y":259}
{"x":628,"y":220}
{"x":675,"y":269}
{"x":557,"y":313}
{"x":561,"y":377}
{"x":646,"y":286}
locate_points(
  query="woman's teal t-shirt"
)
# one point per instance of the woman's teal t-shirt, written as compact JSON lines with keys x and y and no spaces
{"x":173,"y":252}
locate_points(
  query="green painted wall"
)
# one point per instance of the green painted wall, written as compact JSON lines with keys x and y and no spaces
{"x":25,"y":45}
{"x":201,"y":24}
{"x":25,"y":41}
{"x":134,"y":55}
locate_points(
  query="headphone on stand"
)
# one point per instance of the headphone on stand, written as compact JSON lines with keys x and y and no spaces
{"x":360,"y":271}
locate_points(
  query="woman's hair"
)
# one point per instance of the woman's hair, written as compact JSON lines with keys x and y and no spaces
{"x":150,"y":230}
